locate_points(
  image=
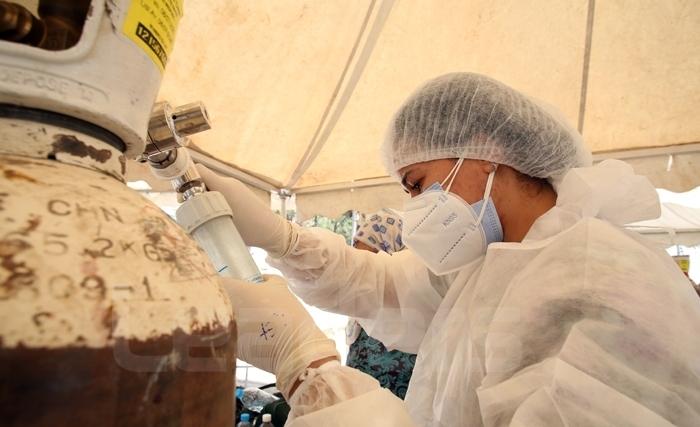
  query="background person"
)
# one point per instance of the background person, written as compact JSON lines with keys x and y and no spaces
{"x":381,"y":231}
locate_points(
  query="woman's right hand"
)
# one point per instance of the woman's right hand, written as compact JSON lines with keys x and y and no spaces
{"x":258,"y":225}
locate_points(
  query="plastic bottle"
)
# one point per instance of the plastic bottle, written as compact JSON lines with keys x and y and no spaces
{"x":245,"y":421}
{"x":267,"y":421}
{"x":255,"y":399}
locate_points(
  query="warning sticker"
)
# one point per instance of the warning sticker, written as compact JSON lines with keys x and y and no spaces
{"x":152,"y":25}
{"x":683,"y":262}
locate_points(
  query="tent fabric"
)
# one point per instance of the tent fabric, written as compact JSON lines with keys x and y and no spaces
{"x":334,"y":203}
{"x":690,"y":198}
{"x":300,"y":92}
{"x":677,"y":225}
{"x":677,"y":172}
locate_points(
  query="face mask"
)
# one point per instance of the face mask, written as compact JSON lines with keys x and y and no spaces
{"x":446,"y":232}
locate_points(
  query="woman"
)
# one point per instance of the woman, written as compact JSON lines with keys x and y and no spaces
{"x":380,"y":232}
{"x":554,"y":314}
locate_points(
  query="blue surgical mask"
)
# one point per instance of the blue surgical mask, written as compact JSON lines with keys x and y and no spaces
{"x":447,"y":232}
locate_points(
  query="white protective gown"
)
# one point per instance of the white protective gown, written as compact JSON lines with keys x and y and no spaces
{"x":582,"y":324}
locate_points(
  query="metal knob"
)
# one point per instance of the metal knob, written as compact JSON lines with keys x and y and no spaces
{"x":191,"y":118}
{"x":169,"y":128}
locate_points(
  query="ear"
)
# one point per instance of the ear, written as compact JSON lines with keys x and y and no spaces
{"x":487,"y":167}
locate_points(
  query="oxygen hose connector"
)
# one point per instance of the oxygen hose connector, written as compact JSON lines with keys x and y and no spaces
{"x":168,"y":127}
{"x":177,"y":167}
{"x":205,"y":215}
{"x":168,"y":132}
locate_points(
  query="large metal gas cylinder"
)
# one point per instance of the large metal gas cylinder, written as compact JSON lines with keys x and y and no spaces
{"x":110,"y":314}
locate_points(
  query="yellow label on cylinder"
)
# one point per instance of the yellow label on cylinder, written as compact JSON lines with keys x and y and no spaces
{"x":152,"y":25}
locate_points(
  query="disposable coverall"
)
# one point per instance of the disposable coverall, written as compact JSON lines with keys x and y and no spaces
{"x":582,"y":323}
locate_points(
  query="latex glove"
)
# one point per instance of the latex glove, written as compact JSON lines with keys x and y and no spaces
{"x":258,"y":225}
{"x":275,"y":332}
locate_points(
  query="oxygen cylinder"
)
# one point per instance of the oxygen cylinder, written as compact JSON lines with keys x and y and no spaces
{"x":109,"y":313}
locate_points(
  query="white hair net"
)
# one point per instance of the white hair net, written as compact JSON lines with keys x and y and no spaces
{"x":475,"y":117}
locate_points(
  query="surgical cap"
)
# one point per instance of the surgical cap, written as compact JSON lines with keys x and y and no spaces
{"x":381,"y":231}
{"x":475,"y":117}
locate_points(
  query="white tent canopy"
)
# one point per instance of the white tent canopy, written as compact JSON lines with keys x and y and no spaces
{"x":300,"y":92}
{"x":678,"y":225}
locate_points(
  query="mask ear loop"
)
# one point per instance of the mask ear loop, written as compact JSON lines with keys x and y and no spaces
{"x":487,"y":194}
{"x":452,"y":175}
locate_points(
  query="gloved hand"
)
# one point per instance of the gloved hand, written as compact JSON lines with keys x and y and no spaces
{"x":275,"y":332}
{"x":258,"y":225}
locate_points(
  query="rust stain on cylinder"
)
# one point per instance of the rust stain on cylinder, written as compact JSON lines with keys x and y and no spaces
{"x":16,"y":273}
{"x":180,"y":380}
{"x":122,"y":162}
{"x":71,"y":145}
{"x":13,"y":175}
